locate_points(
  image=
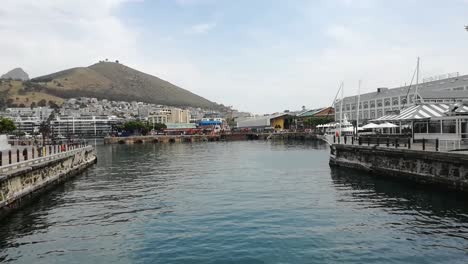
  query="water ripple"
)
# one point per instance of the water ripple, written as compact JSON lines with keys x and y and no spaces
{"x":240,"y":202}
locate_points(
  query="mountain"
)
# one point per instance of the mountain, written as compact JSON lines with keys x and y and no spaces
{"x":16,"y":74}
{"x":114,"y":81}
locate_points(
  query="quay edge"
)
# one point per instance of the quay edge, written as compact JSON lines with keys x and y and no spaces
{"x":203,"y":138}
{"x":19,"y":185}
{"x":441,"y":169}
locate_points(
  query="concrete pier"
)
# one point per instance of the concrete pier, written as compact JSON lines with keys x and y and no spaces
{"x":443,"y":169}
{"x":19,"y":182}
{"x":201,"y":138}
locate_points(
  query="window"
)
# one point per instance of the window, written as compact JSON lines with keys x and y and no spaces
{"x":353,"y":107}
{"x":366,"y":105}
{"x":448,"y":126}
{"x":458,"y":88}
{"x":379,"y":103}
{"x":387,"y":102}
{"x":372,"y":104}
{"x":372,"y":114}
{"x":403,"y":100}
{"x":347,"y":107}
{"x":366,"y":115}
{"x":434,"y":127}
{"x":379,"y":113}
{"x":420,"y":127}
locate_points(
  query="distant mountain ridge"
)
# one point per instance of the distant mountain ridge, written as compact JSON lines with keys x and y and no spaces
{"x":16,"y":74}
{"x":114,"y":81}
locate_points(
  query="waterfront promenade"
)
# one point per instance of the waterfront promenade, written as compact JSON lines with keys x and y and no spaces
{"x":443,"y":166}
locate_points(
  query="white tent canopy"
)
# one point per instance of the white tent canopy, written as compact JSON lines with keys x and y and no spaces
{"x":371,"y":126}
{"x":387,"y":125}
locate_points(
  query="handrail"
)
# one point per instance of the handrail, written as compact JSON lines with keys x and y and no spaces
{"x":22,"y":164}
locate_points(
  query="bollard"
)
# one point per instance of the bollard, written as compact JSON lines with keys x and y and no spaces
{"x":424,"y":144}
{"x":360,"y":141}
{"x":345,"y":137}
{"x":437,"y":144}
{"x":388,"y":142}
{"x":352,"y":140}
{"x":17,"y":155}
{"x":1,"y":158}
{"x":396,"y":142}
{"x":334,"y":139}
{"x":9,"y":157}
{"x":409,"y":143}
{"x":50,"y":150}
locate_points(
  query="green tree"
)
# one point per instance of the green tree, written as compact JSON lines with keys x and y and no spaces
{"x":6,"y":125}
{"x":42,"y":103}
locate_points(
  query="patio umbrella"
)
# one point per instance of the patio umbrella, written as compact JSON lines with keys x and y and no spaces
{"x":371,"y":126}
{"x":387,"y":125}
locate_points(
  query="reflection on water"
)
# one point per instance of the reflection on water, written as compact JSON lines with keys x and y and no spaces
{"x":234,"y":202}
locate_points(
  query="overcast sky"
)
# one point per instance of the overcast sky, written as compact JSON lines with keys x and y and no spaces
{"x":261,"y":56}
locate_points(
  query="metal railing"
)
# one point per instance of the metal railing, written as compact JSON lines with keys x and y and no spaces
{"x":21,"y":157}
{"x":400,"y":142}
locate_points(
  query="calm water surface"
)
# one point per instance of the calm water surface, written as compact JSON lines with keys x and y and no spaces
{"x":237,"y":202}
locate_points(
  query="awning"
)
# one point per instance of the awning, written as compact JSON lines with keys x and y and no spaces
{"x":417,"y":112}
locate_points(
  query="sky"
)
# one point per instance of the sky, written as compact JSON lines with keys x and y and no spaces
{"x":261,"y":56}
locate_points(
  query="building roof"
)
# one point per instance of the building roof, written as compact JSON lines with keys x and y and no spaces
{"x":424,"y":89}
{"x":313,"y":112}
{"x":422,"y":112}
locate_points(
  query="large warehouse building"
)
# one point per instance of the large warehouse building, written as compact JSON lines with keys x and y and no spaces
{"x":443,"y":89}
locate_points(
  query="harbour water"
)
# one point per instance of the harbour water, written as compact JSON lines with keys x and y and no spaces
{"x":234,"y":202}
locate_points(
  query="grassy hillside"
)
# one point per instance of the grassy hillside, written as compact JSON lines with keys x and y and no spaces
{"x":114,"y":81}
{"x":23,"y":94}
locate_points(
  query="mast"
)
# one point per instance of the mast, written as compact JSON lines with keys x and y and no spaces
{"x":341,"y":106}
{"x":417,"y":83}
{"x":358,"y":102}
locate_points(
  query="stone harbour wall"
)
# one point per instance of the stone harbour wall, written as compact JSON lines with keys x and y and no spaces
{"x":448,"y":170}
{"x":20,"y":182}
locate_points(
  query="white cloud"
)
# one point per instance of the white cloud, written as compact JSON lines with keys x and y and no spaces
{"x":48,"y":35}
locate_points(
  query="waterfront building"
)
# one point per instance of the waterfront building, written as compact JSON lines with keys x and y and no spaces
{"x":216,"y":121}
{"x":443,"y":121}
{"x":179,"y":116}
{"x":86,"y":126}
{"x":279,"y":120}
{"x":158,"y":119}
{"x":443,"y":89}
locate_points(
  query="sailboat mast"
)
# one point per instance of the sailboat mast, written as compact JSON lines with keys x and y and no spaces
{"x":358,"y":109}
{"x":341,"y":106}
{"x":417,"y":83}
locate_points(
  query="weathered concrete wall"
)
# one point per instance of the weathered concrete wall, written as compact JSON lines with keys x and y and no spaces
{"x":21,"y":181}
{"x":440,"y":168}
